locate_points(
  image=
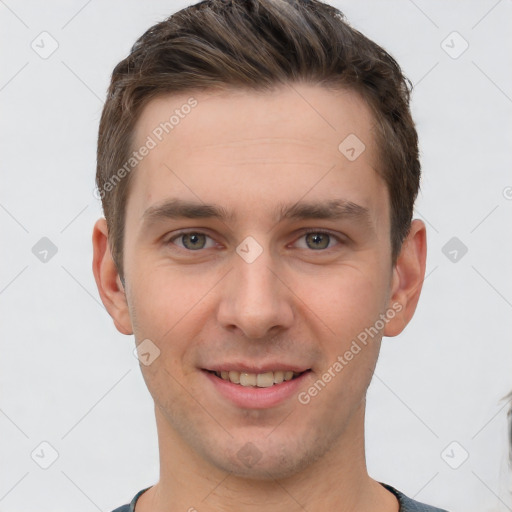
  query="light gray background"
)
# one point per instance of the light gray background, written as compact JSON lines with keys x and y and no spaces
{"x":67,"y":377}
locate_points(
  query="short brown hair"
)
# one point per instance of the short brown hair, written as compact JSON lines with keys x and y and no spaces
{"x":257,"y":45}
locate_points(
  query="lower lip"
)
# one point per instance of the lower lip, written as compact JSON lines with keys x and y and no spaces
{"x":252,"y":397}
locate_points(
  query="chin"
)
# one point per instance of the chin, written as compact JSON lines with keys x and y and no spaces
{"x":263,"y":460}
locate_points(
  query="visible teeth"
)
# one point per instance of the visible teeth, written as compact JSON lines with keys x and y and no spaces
{"x":278,"y":377}
{"x":234,"y":377}
{"x":261,"y":380}
{"x":265,"y":380}
{"x":248,"y":379}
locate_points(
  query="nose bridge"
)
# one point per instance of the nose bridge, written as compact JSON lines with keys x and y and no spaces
{"x":256,"y":283}
{"x":255,"y":300}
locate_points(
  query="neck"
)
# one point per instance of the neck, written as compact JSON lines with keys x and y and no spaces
{"x":338,"y":480}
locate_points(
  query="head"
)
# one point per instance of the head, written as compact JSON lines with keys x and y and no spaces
{"x":257,"y":45}
{"x":296,"y":254}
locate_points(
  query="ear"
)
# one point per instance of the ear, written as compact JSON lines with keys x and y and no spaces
{"x":407,"y":280}
{"x":109,"y":284}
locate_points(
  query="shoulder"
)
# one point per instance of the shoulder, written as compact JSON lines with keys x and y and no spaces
{"x":131,"y":506}
{"x":408,"y":504}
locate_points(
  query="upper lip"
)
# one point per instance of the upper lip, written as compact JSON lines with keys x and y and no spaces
{"x":252,"y":368}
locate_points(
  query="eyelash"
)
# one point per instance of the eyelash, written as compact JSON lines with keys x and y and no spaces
{"x":306,"y":231}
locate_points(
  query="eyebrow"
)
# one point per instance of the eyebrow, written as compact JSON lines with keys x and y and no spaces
{"x":335,"y":209}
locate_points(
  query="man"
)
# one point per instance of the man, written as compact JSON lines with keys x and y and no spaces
{"x":258,"y":167}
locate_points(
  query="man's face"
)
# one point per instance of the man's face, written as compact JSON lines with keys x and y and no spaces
{"x":255,"y":291}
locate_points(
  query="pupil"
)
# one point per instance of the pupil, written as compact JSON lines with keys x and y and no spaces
{"x":190,"y":241}
{"x":317,"y":239}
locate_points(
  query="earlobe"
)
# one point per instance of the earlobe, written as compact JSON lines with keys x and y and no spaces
{"x":408,"y":276}
{"x":108,"y":281}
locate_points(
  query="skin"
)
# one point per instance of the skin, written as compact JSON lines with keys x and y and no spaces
{"x":247,"y":152}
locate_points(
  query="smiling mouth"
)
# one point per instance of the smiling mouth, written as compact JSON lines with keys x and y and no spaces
{"x":260,"y":380}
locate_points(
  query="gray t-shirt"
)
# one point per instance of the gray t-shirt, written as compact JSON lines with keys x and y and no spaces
{"x":406,"y":504}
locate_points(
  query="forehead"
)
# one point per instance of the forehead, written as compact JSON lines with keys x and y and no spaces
{"x":298,"y":140}
{"x":225,"y":119}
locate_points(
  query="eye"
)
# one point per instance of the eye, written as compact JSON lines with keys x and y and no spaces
{"x":314,"y":239}
{"x":192,"y":241}
{"x":318,"y":239}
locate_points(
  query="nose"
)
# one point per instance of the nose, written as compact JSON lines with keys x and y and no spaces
{"x":255,"y":298}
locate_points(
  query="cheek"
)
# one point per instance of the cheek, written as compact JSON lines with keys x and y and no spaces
{"x":170,"y":308}
{"x":346,"y":312}
{"x":163,"y":298}
{"x":346,"y":301}
{"x":166,"y":311}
